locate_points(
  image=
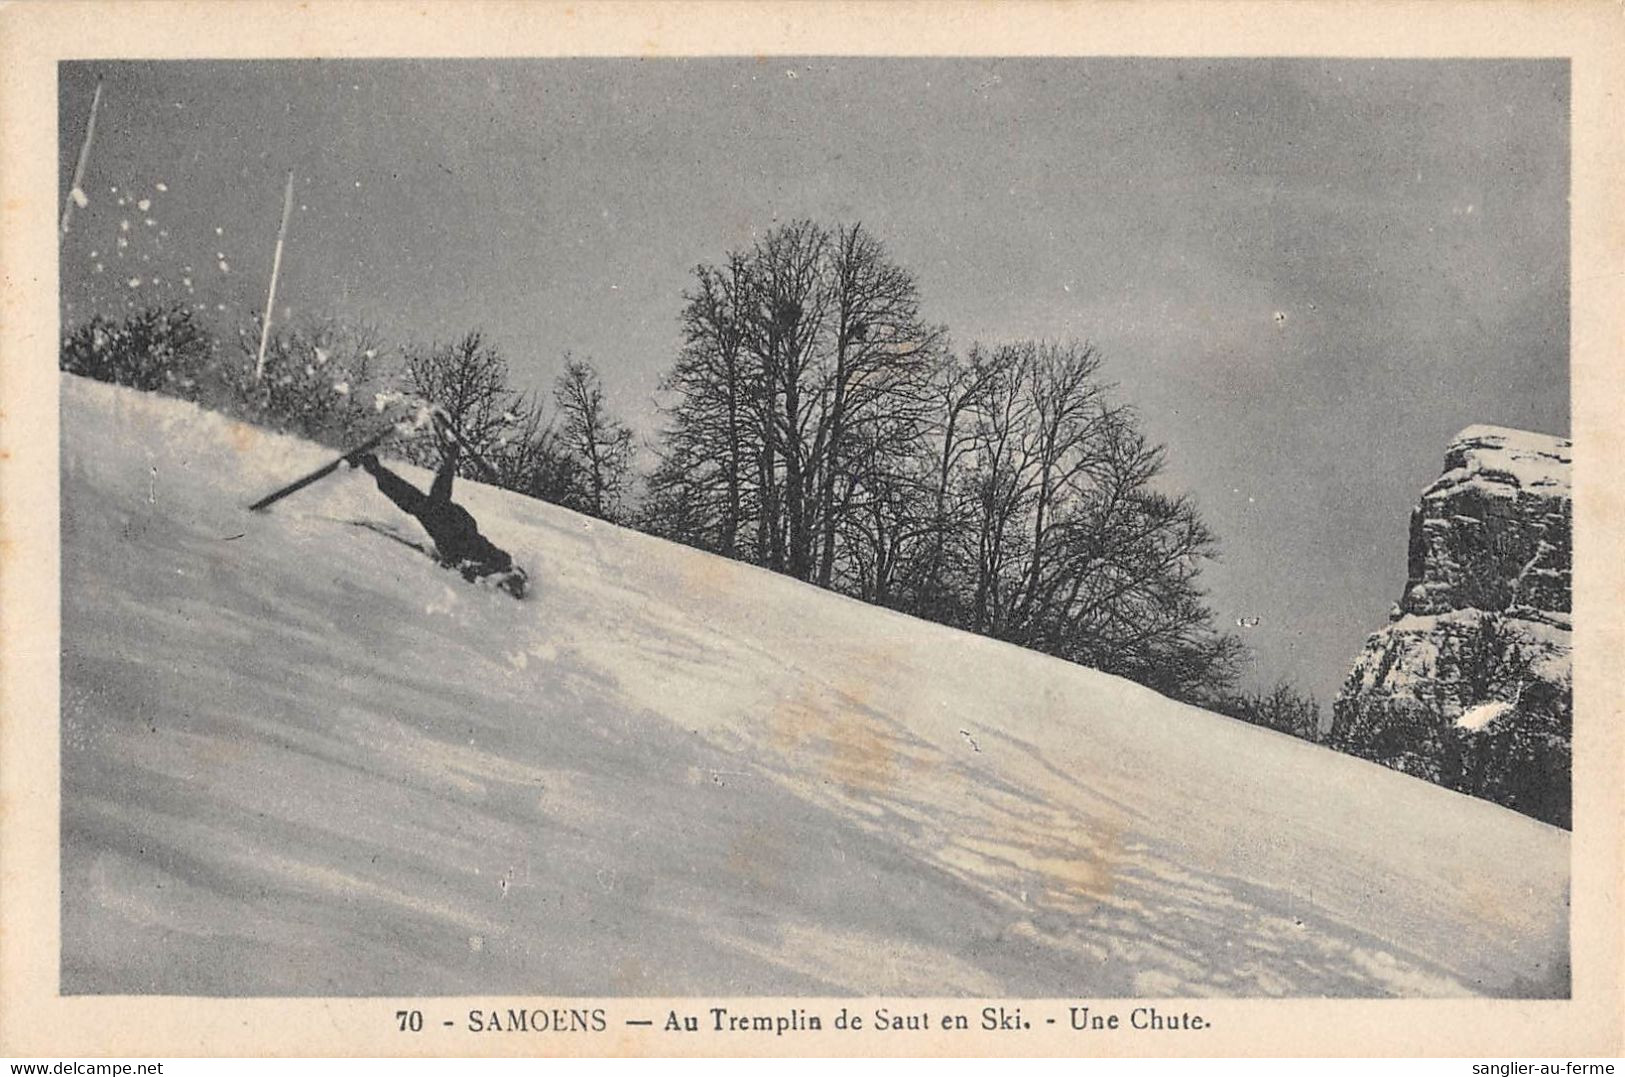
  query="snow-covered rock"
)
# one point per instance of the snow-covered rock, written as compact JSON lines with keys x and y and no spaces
{"x":1482,"y":631}
{"x":1493,"y":532}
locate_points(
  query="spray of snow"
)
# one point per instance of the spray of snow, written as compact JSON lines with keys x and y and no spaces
{"x":79,"y":197}
{"x":162,"y":187}
{"x":144,"y":205}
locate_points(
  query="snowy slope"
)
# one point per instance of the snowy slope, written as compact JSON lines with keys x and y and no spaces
{"x":299,"y":758}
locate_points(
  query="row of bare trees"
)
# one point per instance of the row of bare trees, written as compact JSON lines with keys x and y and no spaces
{"x":580,"y":456}
{"x":818,"y":426}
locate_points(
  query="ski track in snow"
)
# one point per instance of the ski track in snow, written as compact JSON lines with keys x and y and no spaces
{"x":309,"y":761}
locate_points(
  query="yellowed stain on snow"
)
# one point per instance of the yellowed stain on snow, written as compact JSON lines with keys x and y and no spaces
{"x":759,"y":856}
{"x":836,"y":742}
{"x":243,"y":437}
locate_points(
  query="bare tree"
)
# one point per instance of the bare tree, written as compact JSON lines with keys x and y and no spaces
{"x":955,"y":391}
{"x":600,"y":444}
{"x":790,"y":302}
{"x":794,"y":354}
{"x":469,"y":379}
{"x":1001,"y":478}
{"x":885,"y":513}
{"x":703,"y":490}
{"x":1075,"y":553}
{"x":530,"y":457}
{"x":879,"y":364}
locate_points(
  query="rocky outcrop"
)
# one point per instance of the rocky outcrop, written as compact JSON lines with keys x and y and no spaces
{"x":1469,"y":684}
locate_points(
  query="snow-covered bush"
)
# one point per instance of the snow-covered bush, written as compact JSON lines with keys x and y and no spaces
{"x":318,"y":380}
{"x":157,"y":349}
{"x":1282,"y":708}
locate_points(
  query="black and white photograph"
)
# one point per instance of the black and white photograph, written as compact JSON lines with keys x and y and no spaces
{"x":817,"y":525}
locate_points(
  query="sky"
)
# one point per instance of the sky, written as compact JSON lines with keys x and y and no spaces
{"x":1306,"y":275}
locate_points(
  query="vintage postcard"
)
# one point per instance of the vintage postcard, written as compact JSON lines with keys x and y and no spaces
{"x":811,"y":529}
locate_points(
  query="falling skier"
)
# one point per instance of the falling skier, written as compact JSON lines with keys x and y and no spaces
{"x":457,"y":540}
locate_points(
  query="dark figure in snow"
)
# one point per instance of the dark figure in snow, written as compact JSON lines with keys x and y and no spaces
{"x":457,"y":540}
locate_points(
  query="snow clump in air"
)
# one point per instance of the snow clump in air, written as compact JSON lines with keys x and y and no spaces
{"x":1483,"y":715}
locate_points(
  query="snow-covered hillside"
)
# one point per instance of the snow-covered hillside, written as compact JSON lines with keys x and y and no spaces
{"x":300,"y":758}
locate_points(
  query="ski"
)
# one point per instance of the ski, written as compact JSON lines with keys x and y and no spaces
{"x":320,"y":473}
{"x":443,"y":422}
